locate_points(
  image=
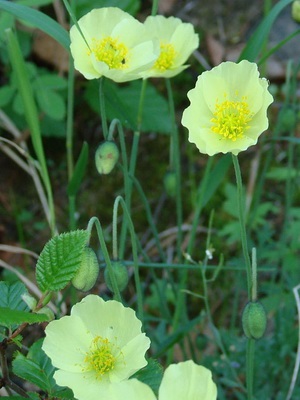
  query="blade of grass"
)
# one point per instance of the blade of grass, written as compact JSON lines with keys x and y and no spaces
{"x":39,"y":20}
{"x":257,"y":40}
{"x":31,"y":115}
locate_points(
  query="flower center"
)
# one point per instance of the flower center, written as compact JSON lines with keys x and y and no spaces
{"x":111,"y":52}
{"x":231,"y":119}
{"x":100,"y":358}
{"x":166,"y":57}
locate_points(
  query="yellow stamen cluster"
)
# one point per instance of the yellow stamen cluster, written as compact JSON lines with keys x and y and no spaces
{"x":231,"y":119}
{"x":166,"y":57}
{"x":111,"y":52}
{"x":100,"y":358}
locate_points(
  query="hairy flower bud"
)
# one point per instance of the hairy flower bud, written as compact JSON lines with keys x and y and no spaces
{"x":120,"y":273}
{"x":106,"y":157}
{"x":170,"y":183}
{"x":296,"y":10}
{"x":254,"y":320}
{"x":87,"y":274}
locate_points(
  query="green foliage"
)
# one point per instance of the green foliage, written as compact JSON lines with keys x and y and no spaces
{"x":39,"y":20}
{"x":9,"y":317}
{"x":84,"y":6}
{"x":60,"y":259}
{"x":122,"y":103}
{"x":48,"y":91}
{"x":36,"y":368}
{"x":79,"y":170}
{"x":151,"y":374}
{"x":11,"y":296}
{"x":206,"y":326}
{"x":255,"y":44}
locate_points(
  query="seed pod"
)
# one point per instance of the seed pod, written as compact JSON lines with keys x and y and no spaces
{"x":170,"y":183}
{"x":120,"y":273}
{"x":106,"y":157}
{"x":254,"y":320}
{"x":87,"y":274}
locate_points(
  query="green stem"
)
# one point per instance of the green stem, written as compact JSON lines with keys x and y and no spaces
{"x":199,"y":204}
{"x":241,"y":210}
{"x":138,"y":285}
{"x":154,"y":7}
{"x":95,"y":221}
{"x":175,"y":159}
{"x":102,"y":108}
{"x":250,"y":342}
{"x":115,"y":231}
{"x":250,"y":367}
{"x":132,"y":163}
{"x":254,"y":276}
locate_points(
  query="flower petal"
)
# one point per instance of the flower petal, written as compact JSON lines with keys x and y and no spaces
{"x":66,"y":342}
{"x":187,"y":381}
{"x":130,"y":389}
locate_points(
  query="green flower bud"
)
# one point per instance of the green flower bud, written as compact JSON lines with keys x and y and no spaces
{"x":296,"y":10}
{"x":120,"y":273}
{"x":170,"y":183}
{"x":106,"y":157}
{"x":87,"y":274}
{"x":254,"y":320}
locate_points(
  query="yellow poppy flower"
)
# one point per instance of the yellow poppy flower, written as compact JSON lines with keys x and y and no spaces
{"x":99,"y":344}
{"x":228,"y":110}
{"x":177,"y":42}
{"x":115,"y":45}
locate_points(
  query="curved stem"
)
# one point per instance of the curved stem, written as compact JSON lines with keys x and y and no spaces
{"x":95,"y":221}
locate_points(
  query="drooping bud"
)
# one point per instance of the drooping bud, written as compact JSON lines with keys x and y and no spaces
{"x":106,"y":157}
{"x":120,"y":274}
{"x":170,"y":183}
{"x":254,"y":320}
{"x":296,"y":10}
{"x":87,"y":274}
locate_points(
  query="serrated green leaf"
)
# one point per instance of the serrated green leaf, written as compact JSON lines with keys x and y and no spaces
{"x":39,"y":20}
{"x":9,"y":317}
{"x":10,"y":296}
{"x":151,"y":374}
{"x":60,"y":259}
{"x":79,"y":170}
{"x":36,"y":368}
{"x":122,"y":102}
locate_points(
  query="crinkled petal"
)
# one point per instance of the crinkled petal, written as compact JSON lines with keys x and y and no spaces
{"x":187,"y":381}
{"x":233,"y":83}
{"x":109,"y":319}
